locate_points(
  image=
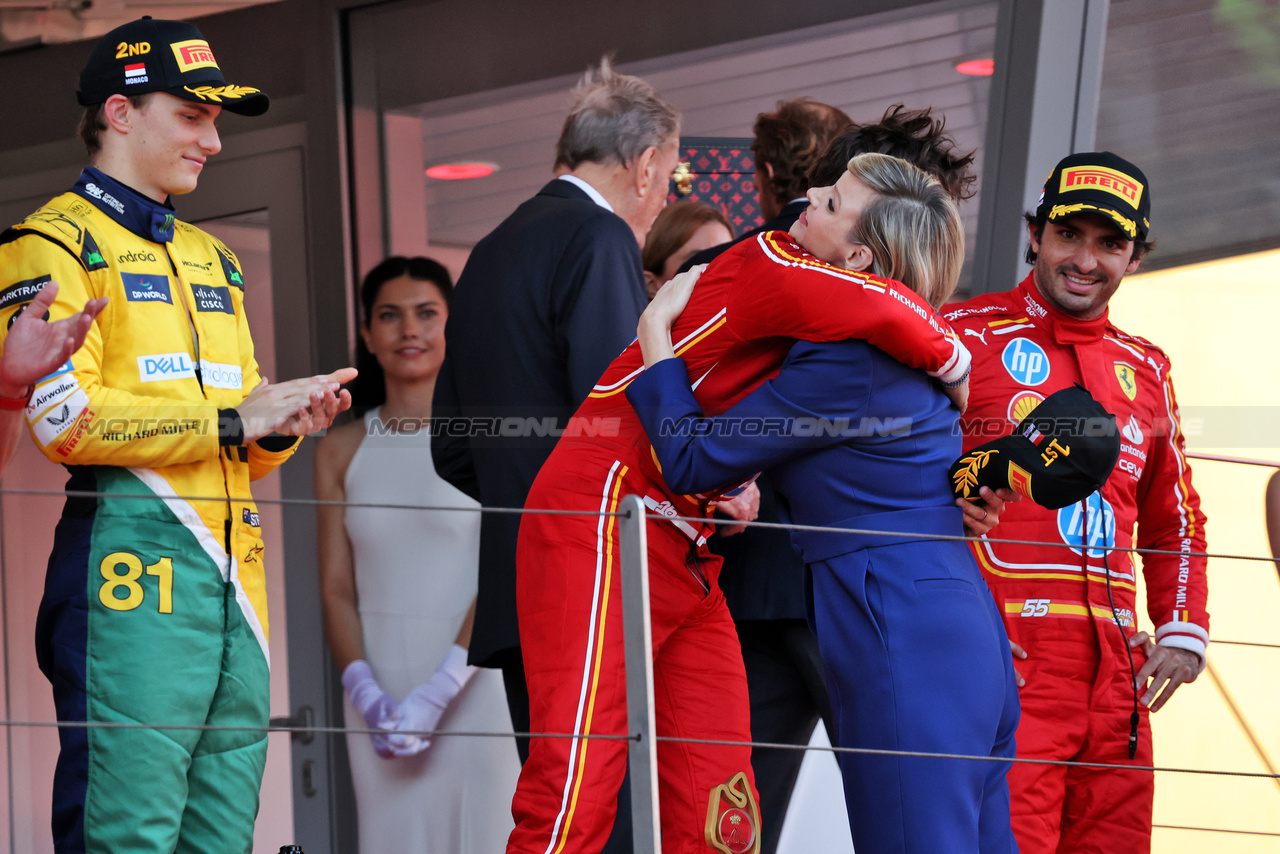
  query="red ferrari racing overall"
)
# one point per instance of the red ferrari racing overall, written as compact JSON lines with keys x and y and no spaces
{"x":744,"y":315}
{"x":1079,"y":694}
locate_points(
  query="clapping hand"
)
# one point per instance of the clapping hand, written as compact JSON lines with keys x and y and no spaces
{"x":35,"y":348}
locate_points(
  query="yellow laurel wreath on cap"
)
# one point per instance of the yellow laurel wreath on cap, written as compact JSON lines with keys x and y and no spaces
{"x":966,"y":477}
{"x":1130,"y":227}
{"x":217,"y":93}
{"x":1066,"y":210}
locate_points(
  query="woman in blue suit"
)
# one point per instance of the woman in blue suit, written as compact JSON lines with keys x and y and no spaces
{"x":916,"y":655}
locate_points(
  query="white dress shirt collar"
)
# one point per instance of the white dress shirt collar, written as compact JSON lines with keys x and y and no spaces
{"x":589,"y":190}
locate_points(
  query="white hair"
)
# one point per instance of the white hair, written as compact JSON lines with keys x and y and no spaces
{"x":614,"y":118}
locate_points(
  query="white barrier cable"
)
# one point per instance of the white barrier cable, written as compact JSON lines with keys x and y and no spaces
{"x":755,"y":745}
{"x":1215,"y":830}
{"x":826,"y":529}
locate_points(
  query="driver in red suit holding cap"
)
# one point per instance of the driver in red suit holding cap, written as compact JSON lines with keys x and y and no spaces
{"x":1070,"y":608}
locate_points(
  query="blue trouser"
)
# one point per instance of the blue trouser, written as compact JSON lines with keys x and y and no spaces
{"x":917,"y":659}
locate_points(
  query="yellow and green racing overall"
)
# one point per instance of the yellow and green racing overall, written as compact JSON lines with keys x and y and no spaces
{"x":154,"y":610}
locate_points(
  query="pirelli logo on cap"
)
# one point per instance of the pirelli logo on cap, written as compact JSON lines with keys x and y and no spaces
{"x":193,"y":54}
{"x":1100,"y":177}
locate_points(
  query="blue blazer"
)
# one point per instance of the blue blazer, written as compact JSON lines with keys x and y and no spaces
{"x":850,"y":437}
{"x":546,"y":301}
{"x":914,"y":647}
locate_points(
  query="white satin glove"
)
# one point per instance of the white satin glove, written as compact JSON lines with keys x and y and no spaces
{"x":420,"y":711}
{"x":376,"y":705}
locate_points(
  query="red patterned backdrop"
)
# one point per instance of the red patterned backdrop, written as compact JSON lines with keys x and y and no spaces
{"x":722,"y":173}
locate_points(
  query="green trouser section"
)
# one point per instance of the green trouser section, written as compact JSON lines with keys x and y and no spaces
{"x":167,"y":644}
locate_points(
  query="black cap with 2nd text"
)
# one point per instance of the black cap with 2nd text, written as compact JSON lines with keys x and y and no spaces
{"x":149,"y":55}
{"x":1103,"y":182}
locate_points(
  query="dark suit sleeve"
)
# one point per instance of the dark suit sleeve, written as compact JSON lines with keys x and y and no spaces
{"x":806,"y":407}
{"x":600,"y":297}
{"x":450,"y":447}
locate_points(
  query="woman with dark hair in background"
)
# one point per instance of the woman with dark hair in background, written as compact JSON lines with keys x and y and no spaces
{"x":682,"y":229}
{"x":398,"y":590}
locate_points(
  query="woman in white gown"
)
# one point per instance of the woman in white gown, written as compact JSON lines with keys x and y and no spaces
{"x":398,"y":589}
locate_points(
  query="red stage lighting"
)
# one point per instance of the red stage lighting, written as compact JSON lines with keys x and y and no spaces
{"x":977,"y":67}
{"x":461,"y":171}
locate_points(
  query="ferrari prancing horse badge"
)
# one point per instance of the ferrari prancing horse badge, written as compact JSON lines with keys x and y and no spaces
{"x":1126,"y":375}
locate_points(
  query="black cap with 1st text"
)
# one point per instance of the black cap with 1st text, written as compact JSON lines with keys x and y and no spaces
{"x":1062,"y":452}
{"x":149,"y":55}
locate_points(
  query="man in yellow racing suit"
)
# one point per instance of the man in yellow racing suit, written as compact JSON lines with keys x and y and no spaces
{"x":154,"y":609}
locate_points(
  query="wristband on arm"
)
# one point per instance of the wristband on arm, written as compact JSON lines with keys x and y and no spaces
{"x":963,"y":379}
{"x":231,"y":432}
{"x":17,"y":403}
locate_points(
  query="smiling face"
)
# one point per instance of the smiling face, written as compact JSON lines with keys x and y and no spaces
{"x":169,"y":140}
{"x":1080,"y":262}
{"x":405,"y":329}
{"x":824,"y":227}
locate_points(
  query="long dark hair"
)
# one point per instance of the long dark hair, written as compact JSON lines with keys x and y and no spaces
{"x":370,"y":388}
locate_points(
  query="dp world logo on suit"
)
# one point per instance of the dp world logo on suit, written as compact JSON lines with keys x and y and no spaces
{"x":1026,"y":361}
{"x":140,"y":287}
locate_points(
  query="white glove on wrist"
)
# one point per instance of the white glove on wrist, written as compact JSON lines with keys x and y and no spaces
{"x":420,"y":711}
{"x":376,"y":705}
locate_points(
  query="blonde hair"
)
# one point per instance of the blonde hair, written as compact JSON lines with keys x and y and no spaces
{"x":912,"y":228}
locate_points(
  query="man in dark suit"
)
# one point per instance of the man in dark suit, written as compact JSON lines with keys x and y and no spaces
{"x":545,"y":302}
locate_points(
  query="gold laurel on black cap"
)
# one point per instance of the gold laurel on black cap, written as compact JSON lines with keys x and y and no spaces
{"x":162,"y":56}
{"x":1062,"y":452}
{"x":1103,"y":182}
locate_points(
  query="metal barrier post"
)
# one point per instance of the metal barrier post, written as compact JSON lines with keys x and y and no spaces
{"x":642,"y":751}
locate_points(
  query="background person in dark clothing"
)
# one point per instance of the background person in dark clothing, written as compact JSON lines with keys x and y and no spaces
{"x":545,"y":302}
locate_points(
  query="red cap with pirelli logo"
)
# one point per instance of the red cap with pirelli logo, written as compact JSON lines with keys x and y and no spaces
{"x":162,"y":56}
{"x":1102,"y":182}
